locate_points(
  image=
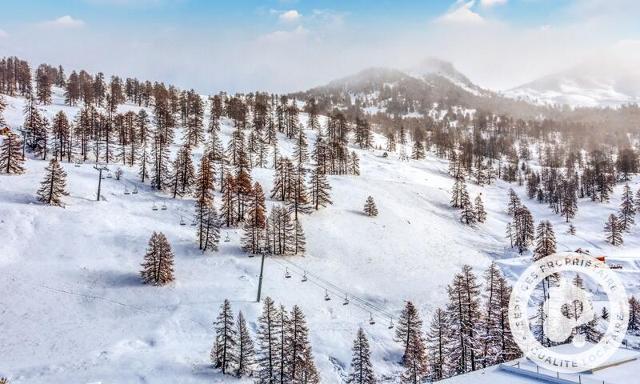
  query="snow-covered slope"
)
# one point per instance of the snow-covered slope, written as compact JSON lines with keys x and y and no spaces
{"x":72,"y":307}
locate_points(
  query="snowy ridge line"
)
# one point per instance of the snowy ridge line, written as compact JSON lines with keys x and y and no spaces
{"x":359,"y":302}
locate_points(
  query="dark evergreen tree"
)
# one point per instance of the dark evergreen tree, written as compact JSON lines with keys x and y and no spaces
{"x":480,"y":213}
{"x":370,"y":208}
{"x":613,"y":231}
{"x":224,"y":353}
{"x":523,"y":228}
{"x":269,"y":328}
{"x":157,"y":268}
{"x":361,"y":369}
{"x":255,"y":224}
{"x":545,"y":241}
{"x":627,"y":209}
{"x":245,"y":352}
{"x":183,"y":173}
{"x":300,"y":367}
{"x":53,"y":187}
{"x":409,"y":327}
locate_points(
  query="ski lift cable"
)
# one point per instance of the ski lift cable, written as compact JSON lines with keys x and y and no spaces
{"x":365,"y":302}
{"x":365,"y":306}
{"x":335,"y":288}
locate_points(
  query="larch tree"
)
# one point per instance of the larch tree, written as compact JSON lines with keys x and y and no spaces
{"x":361,"y":368}
{"x":370,"y":208}
{"x":301,"y":368}
{"x":11,"y":161}
{"x":299,"y":240}
{"x":523,"y":227}
{"x":245,"y":351}
{"x":228,"y":214}
{"x":61,"y":132}
{"x":157,"y":268}
{"x":53,"y":187}
{"x":613,"y":230}
{"x":415,"y":361}
{"x":223,"y":354}
{"x":467,"y":210}
{"x":206,"y":216}
{"x":254,"y":225}
{"x":354,"y":164}
{"x":319,"y":189}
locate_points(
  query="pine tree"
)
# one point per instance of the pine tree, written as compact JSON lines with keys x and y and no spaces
{"x":523,"y":227}
{"x":481,"y":214}
{"x":53,"y":187}
{"x":223,"y":354}
{"x":319,"y":189}
{"x":370,"y":207}
{"x":514,"y":202}
{"x":418,"y":150}
{"x":228,"y":214}
{"x":627,"y":209}
{"x":11,"y":160}
{"x":158,"y":261}
{"x":463,"y":314}
{"x":468,"y":212}
{"x":283,"y":359}
{"x":409,"y":327}
{"x":301,"y":368}
{"x":61,"y":132}
{"x":613,"y":231}
{"x":183,"y":173}
{"x":436,"y":345}
{"x":298,"y":201}
{"x":269,"y":327}
{"x":361,"y":368}
{"x":245,"y":352}
{"x":205,"y":215}
{"x":458,"y":192}
{"x":545,"y":241}
{"x":354,"y":164}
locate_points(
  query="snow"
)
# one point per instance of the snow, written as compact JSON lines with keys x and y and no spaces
{"x":73,"y":308}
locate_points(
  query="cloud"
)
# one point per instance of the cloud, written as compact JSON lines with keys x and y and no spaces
{"x":462,"y":13}
{"x":491,"y":3}
{"x":289,"y":16}
{"x":64,"y":22}
{"x":284,"y":36}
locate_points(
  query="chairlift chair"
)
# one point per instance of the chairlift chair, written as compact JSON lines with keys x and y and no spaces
{"x":193,"y":223}
{"x":326,"y":295}
{"x":164,"y":206}
{"x":154,"y":207}
{"x":304,"y":277}
{"x":126,"y":190}
{"x":391,"y":326}
{"x":135,"y":190}
{"x":227,"y":238}
{"x":109,"y":175}
{"x":182,"y":221}
{"x":346,"y":300}
{"x":371,"y":321}
{"x":287,"y":275}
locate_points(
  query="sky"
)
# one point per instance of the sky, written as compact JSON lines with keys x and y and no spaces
{"x":291,"y":45}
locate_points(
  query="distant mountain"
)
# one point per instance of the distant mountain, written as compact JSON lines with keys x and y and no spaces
{"x":434,"y":84}
{"x":610,"y":79}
